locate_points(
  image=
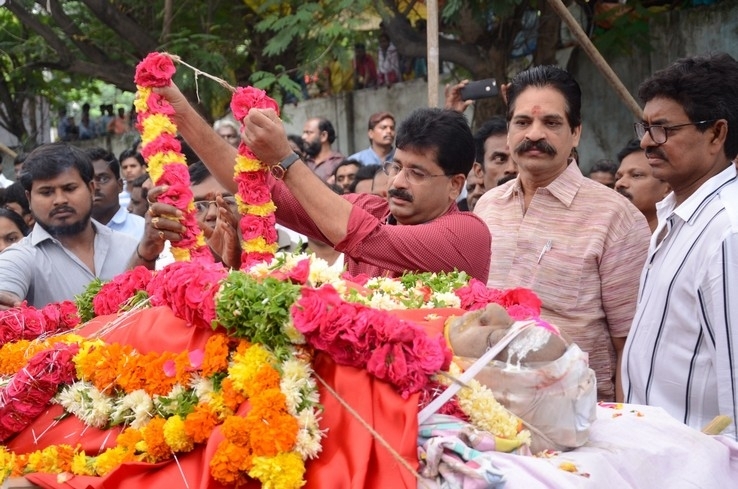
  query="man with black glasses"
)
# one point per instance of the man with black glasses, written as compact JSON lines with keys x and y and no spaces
{"x":418,"y":227}
{"x":681,"y":353}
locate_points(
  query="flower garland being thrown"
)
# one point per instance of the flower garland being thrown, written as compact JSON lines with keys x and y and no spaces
{"x":163,"y":152}
{"x":253,"y":197}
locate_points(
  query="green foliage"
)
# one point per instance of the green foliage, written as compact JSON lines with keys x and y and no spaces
{"x":620,"y":33}
{"x":436,"y":281}
{"x":257,"y":310}
{"x":84,"y":300}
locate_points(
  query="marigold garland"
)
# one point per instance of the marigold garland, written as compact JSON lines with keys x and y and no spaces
{"x":167,"y":165}
{"x":253,"y":197}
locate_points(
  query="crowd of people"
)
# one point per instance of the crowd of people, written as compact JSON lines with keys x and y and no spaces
{"x":637,"y":270}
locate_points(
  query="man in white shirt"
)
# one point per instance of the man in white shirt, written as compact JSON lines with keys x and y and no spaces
{"x":682,"y":350}
{"x":106,"y":207}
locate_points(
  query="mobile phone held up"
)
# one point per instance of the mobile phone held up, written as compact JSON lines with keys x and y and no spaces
{"x":480,"y":89}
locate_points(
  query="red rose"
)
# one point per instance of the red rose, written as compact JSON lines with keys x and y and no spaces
{"x":248,"y":98}
{"x":245,"y":151}
{"x":249,"y":259}
{"x":155,"y":70}
{"x":309,"y":311}
{"x":476,"y":295}
{"x":175,"y":175}
{"x":430,"y":354}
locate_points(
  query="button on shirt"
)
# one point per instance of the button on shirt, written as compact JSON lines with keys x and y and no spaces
{"x":580,"y":247}
{"x":39,"y":269}
{"x":681,"y":353}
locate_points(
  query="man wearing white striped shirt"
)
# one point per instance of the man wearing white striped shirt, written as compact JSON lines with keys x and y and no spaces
{"x":681,"y":352}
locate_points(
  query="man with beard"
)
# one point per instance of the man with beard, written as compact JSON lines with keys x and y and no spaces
{"x":577,"y":244}
{"x":381,"y":140}
{"x":681,"y":350}
{"x":106,"y":208}
{"x":418,"y":227}
{"x":635,"y":181}
{"x":493,"y":163}
{"x":318,"y":135}
{"x":66,"y":249}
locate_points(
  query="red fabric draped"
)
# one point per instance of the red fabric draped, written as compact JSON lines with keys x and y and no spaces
{"x":351,"y":457}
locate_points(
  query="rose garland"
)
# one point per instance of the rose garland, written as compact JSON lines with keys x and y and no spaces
{"x":163,"y":152}
{"x":27,"y":323}
{"x":253,"y":197}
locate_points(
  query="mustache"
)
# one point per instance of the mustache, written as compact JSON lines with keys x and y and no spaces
{"x":540,"y":145}
{"x":624,"y":194}
{"x":400,"y":194}
{"x":652,"y":152}
{"x":59,"y":210}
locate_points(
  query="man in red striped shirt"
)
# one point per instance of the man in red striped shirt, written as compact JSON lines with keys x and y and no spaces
{"x":416,"y":228}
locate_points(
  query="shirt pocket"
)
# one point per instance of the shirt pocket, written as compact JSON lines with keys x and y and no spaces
{"x":558,"y":278}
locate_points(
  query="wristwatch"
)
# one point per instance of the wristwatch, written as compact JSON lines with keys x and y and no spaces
{"x":280,"y":169}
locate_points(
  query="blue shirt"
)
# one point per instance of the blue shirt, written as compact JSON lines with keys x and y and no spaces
{"x":369,"y":157}
{"x":125,"y":222}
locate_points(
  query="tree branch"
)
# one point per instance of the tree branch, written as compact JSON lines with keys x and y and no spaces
{"x":124,"y":26}
{"x":30,"y":21}
{"x":74,"y":34}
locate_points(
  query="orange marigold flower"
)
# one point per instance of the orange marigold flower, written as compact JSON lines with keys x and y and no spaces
{"x":216,"y":355}
{"x":230,"y":463}
{"x":269,"y":400}
{"x":200,"y":423}
{"x":271,"y":432}
{"x":153,"y":436}
{"x":236,"y":429}
{"x":128,"y":439}
{"x":232,"y":398}
{"x":266,"y":378}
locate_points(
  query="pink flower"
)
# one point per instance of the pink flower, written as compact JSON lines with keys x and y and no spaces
{"x":253,"y":188}
{"x":249,"y":259}
{"x":118,"y":291}
{"x":248,"y":98}
{"x":432,"y":355}
{"x":163,"y":143}
{"x":300,"y":272}
{"x":156,"y":70}
{"x":522,"y":297}
{"x":159,"y":105}
{"x":255,"y":226}
{"x":476,"y":295}
{"x":188,"y":288}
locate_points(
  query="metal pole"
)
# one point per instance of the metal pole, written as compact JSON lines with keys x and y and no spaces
{"x":596,"y":57}
{"x":432,"y":28}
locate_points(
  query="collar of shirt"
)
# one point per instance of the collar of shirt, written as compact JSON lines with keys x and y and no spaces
{"x":688,"y":209}
{"x":564,"y":188}
{"x":120,"y":216}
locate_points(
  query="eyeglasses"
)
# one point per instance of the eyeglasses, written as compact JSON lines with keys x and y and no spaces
{"x":202,"y":206}
{"x":413,"y":175}
{"x":659,"y":134}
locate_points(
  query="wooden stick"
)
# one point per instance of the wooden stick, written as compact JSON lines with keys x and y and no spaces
{"x":8,"y":151}
{"x":717,"y":425}
{"x":596,"y":57}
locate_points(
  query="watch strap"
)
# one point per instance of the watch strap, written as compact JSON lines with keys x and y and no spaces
{"x":280,"y":169}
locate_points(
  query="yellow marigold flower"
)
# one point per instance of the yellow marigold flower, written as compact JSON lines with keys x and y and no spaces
{"x":141,"y":102}
{"x":128,"y":438}
{"x":82,"y":464}
{"x":154,"y":125}
{"x":244,"y":164}
{"x":285,"y":471}
{"x":108,"y":460}
{"x":258,"y":245}
{"x":180,"y":254}
{"x":246,"y":366}
{"x":176,"y":436}
{"x":261,"y":210}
